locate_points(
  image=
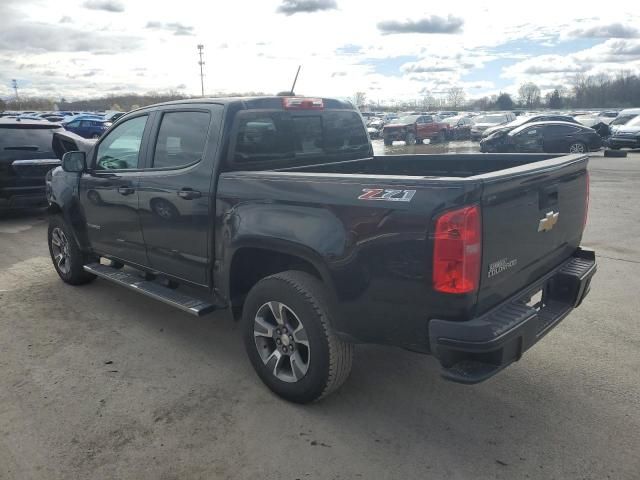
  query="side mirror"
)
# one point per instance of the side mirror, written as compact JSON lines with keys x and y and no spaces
{"x":75,"y":162}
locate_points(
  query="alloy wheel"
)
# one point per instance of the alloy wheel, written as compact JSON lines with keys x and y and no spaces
{"x":60,"y":250}
{"x":576,"y":148}
{"x":282,"y":341}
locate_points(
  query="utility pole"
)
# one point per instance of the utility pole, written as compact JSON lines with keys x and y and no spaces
{"x":201,"y":63}
{"x":14,"y":85}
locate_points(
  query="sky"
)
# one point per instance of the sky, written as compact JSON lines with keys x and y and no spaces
{"x":393,"y":51}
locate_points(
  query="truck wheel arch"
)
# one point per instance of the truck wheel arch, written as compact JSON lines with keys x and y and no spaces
{"x":251,"y":263}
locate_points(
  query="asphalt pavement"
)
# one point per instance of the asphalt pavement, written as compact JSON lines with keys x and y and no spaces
{"x":97,"y":382}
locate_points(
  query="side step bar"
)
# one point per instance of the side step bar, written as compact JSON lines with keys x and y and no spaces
{"x":186,"y":303}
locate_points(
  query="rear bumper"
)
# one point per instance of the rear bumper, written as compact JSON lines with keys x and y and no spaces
{"x":395,"y":134}
{"x":474,"y":350}
{"x":19,"y":197}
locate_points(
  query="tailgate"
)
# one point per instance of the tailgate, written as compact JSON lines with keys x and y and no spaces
{"x":533,"y":218}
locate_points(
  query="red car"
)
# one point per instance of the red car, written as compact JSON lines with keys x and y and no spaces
{"x":414,"y":129}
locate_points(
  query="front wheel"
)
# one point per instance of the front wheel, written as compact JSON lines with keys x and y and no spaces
{"x":288,"y":337}
{"x":68,"y":259}
{"x":577,"y":147}
{"x":410,"y":139}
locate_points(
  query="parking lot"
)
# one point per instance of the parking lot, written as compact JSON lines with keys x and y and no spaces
{"x":98,"y":382}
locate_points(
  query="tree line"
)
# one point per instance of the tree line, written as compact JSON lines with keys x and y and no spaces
{"x":584,"y":91}
{"x":122,"y":103}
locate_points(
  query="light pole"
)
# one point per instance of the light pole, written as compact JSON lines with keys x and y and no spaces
{"x":201,"y":63}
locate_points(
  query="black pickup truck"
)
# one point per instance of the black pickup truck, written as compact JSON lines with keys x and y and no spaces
{"x":276,"y":209}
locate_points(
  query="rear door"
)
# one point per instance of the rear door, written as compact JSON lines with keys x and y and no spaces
{"x":557,"y":138}
{"x":533,"y":218}
{"x":176,"y":192}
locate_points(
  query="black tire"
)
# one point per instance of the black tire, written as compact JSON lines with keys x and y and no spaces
{"x":95,"y":136}
{"x":410,"y":139}
{"x":388,"y":142}
{"x":615,"y":153}
{"x":329,"y":358}
{"x":441,"y":137}
{"x":72,"y":272}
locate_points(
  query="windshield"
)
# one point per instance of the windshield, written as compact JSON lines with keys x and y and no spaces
{"x":452,"y":120}
{"x":634,"y":122}
{"x":407,"y":119}
{"x":495,"y":119}
{"x":623,"y":120}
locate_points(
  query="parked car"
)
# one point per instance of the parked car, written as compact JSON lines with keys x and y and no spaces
{"x":26,"y":155}
{"x":87,"y":128}
{"x":482,"y":122}
{"x":414,"y":129}
{"x":113,"y":116}
{"x":316,"y":245}
{"x":626,"y":136}
{"x":523,"y":119}
{"x":458,"y":128}
{"x":547,"y":137}
{"x":624,"y":117}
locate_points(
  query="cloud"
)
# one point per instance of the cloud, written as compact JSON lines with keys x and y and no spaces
{"x":291,"y":7}
{"x":113,"y":6}
{"x":40,"y":37}
{"x":544,"y":64}
{"x":173,"y":27}
{"x":338,"y":74}
{"x":432,"y":24}
{"x":66,"y":19}
{"x":612,"y":30}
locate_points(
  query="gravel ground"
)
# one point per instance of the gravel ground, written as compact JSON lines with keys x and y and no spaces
{"x":98,"y":382}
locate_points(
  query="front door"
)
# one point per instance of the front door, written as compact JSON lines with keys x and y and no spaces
{"x":176,"y":193}
{"x":529,"y":140}
{"x":109,"y":193}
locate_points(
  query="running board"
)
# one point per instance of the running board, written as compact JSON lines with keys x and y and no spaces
{"x":186,"y":303}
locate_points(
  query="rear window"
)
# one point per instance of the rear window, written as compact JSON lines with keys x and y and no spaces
{"x":279,"y":135}
{"x":31,"y":139}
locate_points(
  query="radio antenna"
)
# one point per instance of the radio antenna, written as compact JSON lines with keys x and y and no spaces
{"x":295,"y":80}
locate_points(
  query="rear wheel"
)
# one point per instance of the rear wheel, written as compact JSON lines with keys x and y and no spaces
{"x":288,"y":337}
{"x":388,"y":142}
{"x":441,"y":137}
{"x":68,"y":259}
{"x":577,"y":147}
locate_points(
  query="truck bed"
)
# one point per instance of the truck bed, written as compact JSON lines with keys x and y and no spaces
{"x":426,"y":165}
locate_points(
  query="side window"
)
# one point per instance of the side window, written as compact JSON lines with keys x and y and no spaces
{"x":121,"y":148}
{"x":181,"y":139}
{"x":74,"y":124}
{"x":427,"y":119}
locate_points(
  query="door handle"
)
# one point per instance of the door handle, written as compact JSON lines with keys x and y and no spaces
{"x":125,"y":190}
{"x":189,"y":194}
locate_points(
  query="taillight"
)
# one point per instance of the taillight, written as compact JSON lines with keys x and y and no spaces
{"x":301,"y":103}
{"x":457,"y":251}
{"x":586,"y":202}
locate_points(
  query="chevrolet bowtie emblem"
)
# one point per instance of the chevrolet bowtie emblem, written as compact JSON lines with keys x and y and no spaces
{"x":548,"y":222}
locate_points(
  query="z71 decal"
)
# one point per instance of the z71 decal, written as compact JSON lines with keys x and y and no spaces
{"x":387,"y":195}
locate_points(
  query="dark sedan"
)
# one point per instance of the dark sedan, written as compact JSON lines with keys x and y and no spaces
{"x":548,"y":137}
{"x":522,"y":120}
{"x":626,"y":136}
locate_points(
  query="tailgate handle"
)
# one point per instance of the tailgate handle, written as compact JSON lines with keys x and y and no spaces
{"x":548,"y":197}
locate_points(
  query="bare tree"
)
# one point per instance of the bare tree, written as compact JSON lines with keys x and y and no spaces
{"x":529,"y":94}
{"x":455,"y":97}
{"x":359,"y":99}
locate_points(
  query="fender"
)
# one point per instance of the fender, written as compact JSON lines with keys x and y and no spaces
{"x":313,"y":234}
